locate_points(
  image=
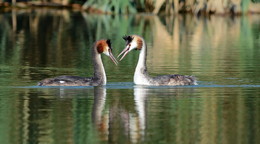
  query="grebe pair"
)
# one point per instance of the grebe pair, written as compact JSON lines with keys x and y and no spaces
{"x":141,"y":76}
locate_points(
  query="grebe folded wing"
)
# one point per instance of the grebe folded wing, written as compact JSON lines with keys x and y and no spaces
{"x":66,"y":81}
{"x":175,"y":79}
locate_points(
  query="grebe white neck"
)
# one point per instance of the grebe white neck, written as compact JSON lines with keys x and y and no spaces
{"x":140,"y":76}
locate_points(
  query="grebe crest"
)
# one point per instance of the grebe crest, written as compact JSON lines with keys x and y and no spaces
{"x":133,"y":42}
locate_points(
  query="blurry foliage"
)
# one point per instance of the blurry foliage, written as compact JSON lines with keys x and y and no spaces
{"x":108,"y":6}
{"x":173,"y":6}
{"x":154,"y":6}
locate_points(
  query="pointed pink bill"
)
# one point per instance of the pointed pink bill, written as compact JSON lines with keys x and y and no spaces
{"x":124,"y":52}
{"x":111,"y":56}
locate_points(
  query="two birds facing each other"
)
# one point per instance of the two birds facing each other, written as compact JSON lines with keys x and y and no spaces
{"x":141,"y":76}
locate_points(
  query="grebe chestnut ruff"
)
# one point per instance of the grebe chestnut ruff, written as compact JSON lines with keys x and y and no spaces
{"x":101,"y":46}
{"x":141,"y":76}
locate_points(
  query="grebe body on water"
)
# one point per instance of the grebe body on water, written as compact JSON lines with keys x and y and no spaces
{"x":141,"y":76}
{"x":99,"y":78}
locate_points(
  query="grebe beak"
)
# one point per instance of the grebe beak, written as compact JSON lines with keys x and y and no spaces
{"x":111,"y":56}
{"x":124,"y":52}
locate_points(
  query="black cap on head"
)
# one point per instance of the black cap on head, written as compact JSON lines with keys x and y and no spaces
{"x":109,"y":43}
{"x":128,"y":39}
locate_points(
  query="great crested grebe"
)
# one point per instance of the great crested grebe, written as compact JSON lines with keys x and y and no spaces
{"x":141,"y":76}
{"x":101,"y":46}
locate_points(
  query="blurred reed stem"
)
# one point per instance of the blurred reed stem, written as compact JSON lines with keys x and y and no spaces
{"x":167,"y":7}
{"x":170,"y":7}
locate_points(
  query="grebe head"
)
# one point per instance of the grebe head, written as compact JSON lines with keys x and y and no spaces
{"x":104,"y":46}
{"x":132,"y":42}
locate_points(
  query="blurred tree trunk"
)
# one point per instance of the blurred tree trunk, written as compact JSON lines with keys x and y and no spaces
{"x":176,"y":6}
{"x":216,"y":6}
{"x":14,"y":20}
{"x":65,"y":2}
{"x":168,"y":7}
{"x":158,"y":5}
{"x":237,"y":6}
{"x":199,"y":7}
{"x":13,"y":2}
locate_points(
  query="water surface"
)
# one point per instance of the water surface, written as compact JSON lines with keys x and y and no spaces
{"x":222,"y":52}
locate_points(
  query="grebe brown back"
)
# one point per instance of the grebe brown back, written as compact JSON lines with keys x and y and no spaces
{"x":101,"y":46}
{"x":141,"y":76}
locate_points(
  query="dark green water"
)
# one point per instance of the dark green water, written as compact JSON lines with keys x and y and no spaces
{"x":222,"y":52}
